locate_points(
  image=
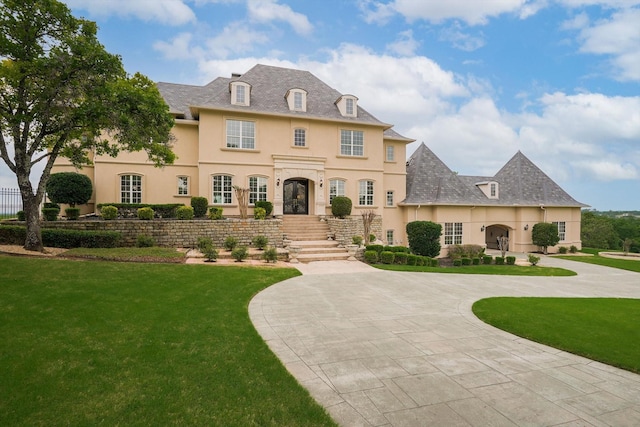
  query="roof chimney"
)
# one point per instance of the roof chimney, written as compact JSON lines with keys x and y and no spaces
{"x":235,"y":75}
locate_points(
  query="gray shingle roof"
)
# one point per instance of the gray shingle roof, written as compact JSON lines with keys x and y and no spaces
{"x":269,"y":86}
{"x":520,"y":183}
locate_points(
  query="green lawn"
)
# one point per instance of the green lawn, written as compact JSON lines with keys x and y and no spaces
{"x":92,"y":342}
{"x":153,"y":254}
{"x":603,"y":329}
{"x":504,"y":270}
{"x":624,"y":264}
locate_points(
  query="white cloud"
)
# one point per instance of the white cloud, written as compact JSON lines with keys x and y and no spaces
{"x":170,"y":12}
{"x":471,"y":12}
{"x":235,"y":39}
{"x":179,"y":48}
{"x":269,"y":10}
{"x":461,"y":40}
{"x":405,"y":44}
{"x":618,"y":37}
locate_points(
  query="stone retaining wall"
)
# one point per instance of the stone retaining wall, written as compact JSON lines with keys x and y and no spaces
{"x":344,"y":229}
{"x":183,"y":234}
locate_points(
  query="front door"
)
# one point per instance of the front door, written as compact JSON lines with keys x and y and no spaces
{"x":296,"y":193}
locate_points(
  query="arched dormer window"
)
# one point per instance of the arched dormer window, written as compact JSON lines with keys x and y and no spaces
{"x":240,"y":93}
{"x":296,"y":99}
{"x":348,"y":105}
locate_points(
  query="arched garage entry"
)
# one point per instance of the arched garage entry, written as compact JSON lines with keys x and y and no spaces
{"x":493,"y":232}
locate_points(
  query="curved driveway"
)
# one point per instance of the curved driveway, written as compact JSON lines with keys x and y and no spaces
{"x":404,"y":349}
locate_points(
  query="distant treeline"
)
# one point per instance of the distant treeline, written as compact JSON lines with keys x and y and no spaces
{"x":611,"y":230}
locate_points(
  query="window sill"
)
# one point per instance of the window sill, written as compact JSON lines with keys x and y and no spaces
{"x":300,"y":146}
{"x":182,"y":195}
{"x":222,"y":205}
{"x":243,"y":150}
{"x":342,"y":156}
{"x":366,"y":207}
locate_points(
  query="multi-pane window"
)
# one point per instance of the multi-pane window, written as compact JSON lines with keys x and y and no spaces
{"x":365,"y":193}
{"x":241,"y":134}
{"x":350,"y":104}
{"x":452,"y":233}
{"x":336,"y":188}
{"x":351,"y":143}
{"x":222,"y":189}
{"x":390,"y":153}
{"x":390,"y":198}
{"x":299,"y":137}
{"x":240,"y":94}
{"x":297,"y":100}
{"x":130,"y":189}
{"x":183,"y":185}
{"x":493,"y":189}
{"x":390,"y":237}
{"x":257,"y":189}
{"x":562,"y":229}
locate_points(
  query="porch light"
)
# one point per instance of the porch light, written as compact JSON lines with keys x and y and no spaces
{"x":482,"y":228}
{"x":278,"y":182}
{"x":526,"y":227}
{"x":321,"y":183}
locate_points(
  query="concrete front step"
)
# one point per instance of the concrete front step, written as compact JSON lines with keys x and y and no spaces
{"x":320,"y":250}
{"x":323,"y":257}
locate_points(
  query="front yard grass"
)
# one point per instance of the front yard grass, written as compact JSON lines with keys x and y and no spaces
{"x":153,"y":254}
{"x":624,"y":264}
{"x":602,"y":329}
{"x":87,"y":343}
{"x":503,"y":270}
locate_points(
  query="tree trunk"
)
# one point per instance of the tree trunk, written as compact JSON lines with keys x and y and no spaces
{"x":31,"y":207}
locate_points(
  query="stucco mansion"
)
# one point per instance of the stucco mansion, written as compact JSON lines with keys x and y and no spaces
{"x":293,"y":140}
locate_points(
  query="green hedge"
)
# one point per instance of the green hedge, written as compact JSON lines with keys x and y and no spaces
{"x":400,"y":258}
{"x":371,"y":257}
{"x":387,"y":257}
{"x":130,"y":210}
{"x":61,"y":238}
{"x":377,"y":248}
{"x":511,"y":260}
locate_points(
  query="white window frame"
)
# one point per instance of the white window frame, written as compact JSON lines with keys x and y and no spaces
{"x":351,"y":143}
{"x":130,"y":188}
{"x":299,"y":137}
{"x":241,"y":134}
{"x":183,"y":185}
{"x":452,"y":233}
{"x":390,"y":153}
{"x":257,"y":189}
{"x":365,"y":192}
{"x":222,"y":186}
{"x":390,"y":197}
{"x":336,"y":188}
{"x":390,"y":237}
{"x":297,"y":101}
{"x":562,"y":229}
{"x":349,"y":106}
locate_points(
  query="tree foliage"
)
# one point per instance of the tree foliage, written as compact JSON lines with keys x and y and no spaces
{"x":424,"y":238}
{"x":69,"y":187}
{"x":598,"y":232}
{"x":63,"y":94}
{"x":545,"y":234}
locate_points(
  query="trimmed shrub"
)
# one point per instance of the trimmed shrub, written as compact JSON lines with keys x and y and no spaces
{"x":371,"y":257}
{"x":573,"y":249}
{"x":109,"y":212}
{"x":215,"y":213}
{"x":372,"y":237}
{"x":401,"y":258}
{"x":145,"y":241}
{"x":199,"y":205}
{"x":205,"y":246}
{"x":260,"y":242}
{"x":72,"y":213}
{"x":240,"y":253}
{"x":420,"y":260}
{"x":259,"y":213}
{"x":486,"y":259}
{"x":270,"y":255}
{"x":60,"y":238}
{"x":71,"y":188}
{"x":412,"y":259}
{"x":511,"y":260}
{"x":457,"y":262}
{"x":424,"y":238}
{"x":12,"y":234}
{"x":499,"y":260}
{"x":185,"y":212}
{"x":433,"y":262}
{"x":387,"y":257}
{"x":563,"y":250}
{"x":356,"y":240}
{"x":145,"y":213}
{"x":465,"y":251}
{"x":130,"y":210}
{"x":377,"y":248}
{"x":267,"y":206}
{"x":230,"y":243}
{"x":465,"y":261}
{"x":50,"y":214}
{"x":21,"y":216}
{"x":475,"y":261}
{"x":534,"y":260}
{"x":341,"y":206}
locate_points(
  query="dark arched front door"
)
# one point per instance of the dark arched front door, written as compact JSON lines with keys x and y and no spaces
{"x":296,"y":195}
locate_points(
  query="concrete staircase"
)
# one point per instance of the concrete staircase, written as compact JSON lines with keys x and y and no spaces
{"x":311,"y":236}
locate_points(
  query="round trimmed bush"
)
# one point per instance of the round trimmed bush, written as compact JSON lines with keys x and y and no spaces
{"x":199,"y":205}
{"x":215,"y":213}
{"x":260,"y":242}
{"x":267,"y":206}
{"x":144,"y":241}
{"x":240,"y":253}
{"x":185,"y":212}
{"x":424,"y":238}
{"x":412,"y":259}
{"x":465,"y":261}
{"x":387,"y":257}
{"x":371,"y":257}
{"x":259,"y":213}
{"x":511,"y":260}
{"x":475,"y":261}
{"x":230,"y":243}
{"x":457,"y":262}
{"x":109,"y":212}
{"x":499,"y":260}
{"x":50,"y":214}
{"x":72,"y":213}
{"x":487,"y":259}
{"x":69,"y":187}
{"x":401,"y":258}
{"x":21,"y":216}
{"x":145,"y":213}
{"x":341,"y":206}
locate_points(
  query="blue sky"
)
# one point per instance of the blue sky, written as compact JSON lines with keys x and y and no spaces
{"x":475,"y":80}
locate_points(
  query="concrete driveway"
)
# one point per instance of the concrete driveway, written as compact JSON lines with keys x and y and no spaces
{"x":382,"y":348}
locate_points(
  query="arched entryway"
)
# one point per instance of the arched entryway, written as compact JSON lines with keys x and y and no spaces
{"x":493,"y":233}
{"x":295,"y":194}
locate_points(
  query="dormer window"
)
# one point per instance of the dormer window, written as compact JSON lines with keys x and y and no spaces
{"x":240,"y":93}
{"x":297,"y":99}
{"x":489,"y":188}
{"x":348,"y":105}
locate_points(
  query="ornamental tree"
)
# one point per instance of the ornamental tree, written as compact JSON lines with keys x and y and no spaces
{"x":69,"y":187}
{"x":63,"y":94}
{"x":545,"y":234}
{"x":424,"y":238}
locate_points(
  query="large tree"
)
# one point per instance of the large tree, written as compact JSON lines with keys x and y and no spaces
{"x":63,"y":94}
